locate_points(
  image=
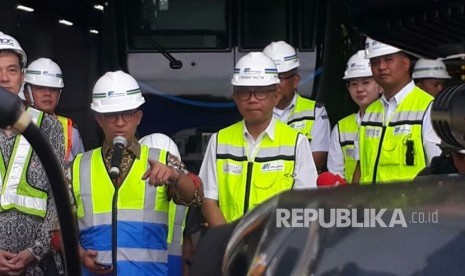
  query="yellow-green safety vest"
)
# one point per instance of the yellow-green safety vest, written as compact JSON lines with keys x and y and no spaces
{"x":348,"y":128}
{"x":302,"y":117}
{"x":176,"y":222}
{"x":15,"y":190}
{"x":136,"y":211}
{"x":243,"y":183}
{"x":67,"y":125}
{"x":393,"y":151}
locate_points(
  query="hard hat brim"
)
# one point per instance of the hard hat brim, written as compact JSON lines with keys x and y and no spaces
{"x":116,"y":107}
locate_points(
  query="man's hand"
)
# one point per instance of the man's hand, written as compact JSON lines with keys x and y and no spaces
{"x":5,"y":265}
{"x":16,"y":263}
{"x":159,"y":174}
{"x":88,"y":258}
{"x":212,"y":213}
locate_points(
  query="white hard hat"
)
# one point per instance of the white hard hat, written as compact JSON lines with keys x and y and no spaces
{"x":255,"y":69}
{"x":357,"y":66}
{"x":10,"y":43}
{"x":283,"y":55}
{"x":44,"y":72}
{"x":375,"y":48}
{"x":116,"y":91}
{"x":430,"y":68}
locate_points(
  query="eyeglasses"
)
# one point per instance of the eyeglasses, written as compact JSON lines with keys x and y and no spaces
{"x":245,"y":95}
{"x":284,"y":77}
{"x":125,"y":115}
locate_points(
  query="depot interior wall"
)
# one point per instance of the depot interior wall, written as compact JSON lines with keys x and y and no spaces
{"x":72,"y":48}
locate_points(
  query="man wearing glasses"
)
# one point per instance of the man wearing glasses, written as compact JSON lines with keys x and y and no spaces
{"x":258,"y":157}
{"x":304,"y":115}
{"x":123,"y":218}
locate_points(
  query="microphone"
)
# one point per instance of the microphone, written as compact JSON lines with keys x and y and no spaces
{"x":328,"y":179}
{"x":119,"y":143}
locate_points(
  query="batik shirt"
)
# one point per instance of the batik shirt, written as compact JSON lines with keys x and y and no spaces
{"x":131,"y":153}
{"x":18,"y":230}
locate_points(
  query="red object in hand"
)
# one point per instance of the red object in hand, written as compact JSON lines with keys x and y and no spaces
{"x":328,"y":179}
{"x":55,"y":241}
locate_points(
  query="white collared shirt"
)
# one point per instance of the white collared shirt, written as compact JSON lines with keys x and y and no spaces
{"x":305,"y":169}
{"x":391,"y":104}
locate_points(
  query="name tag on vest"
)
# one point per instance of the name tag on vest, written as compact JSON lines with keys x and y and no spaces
{"x":232,"y":168}
{"x":273,"y":166}
{"x":350,"y":152}
{"x":403,"y":129}
{"x":373,"y":132}
{"x":298,"y":125}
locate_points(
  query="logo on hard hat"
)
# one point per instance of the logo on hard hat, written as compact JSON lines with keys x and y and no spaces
{"x":48,"y":74}
{"x":7,"y":41}
{"x":357,"y":67}
{"x":251,"y":73}
{"x":373,"y":43}
{"x":111,"y":94}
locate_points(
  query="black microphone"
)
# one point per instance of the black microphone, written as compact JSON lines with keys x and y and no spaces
{"x":119,"y":143}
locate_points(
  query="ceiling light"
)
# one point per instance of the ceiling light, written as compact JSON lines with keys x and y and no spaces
{"x":65,"y":22}
{"x":98,"y":7}
{"x":24,"y":8}
{"x":93,"y":31}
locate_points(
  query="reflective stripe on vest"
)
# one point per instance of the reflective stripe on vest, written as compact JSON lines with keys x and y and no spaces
{"x":142,"y":213}
{"x":15,"y":190}
{"x":244,"y":184}
{"x":176,"y":218}
{"x":348,"y":128}
{"x":302,"y":116}
{"x":67,"y":124}
{"x":135,"y":255}
{"x":393,"y":152}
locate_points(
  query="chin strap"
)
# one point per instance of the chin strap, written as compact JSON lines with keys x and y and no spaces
{"x":29,"y":101}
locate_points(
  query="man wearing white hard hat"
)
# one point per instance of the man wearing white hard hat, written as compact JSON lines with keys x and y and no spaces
{"x":27,"y":207}
{"x":123,"y":188}
{"x":304,"y":115}
{"x":363,"y":90}
{"x":14,"y":61}
{"x":391,"y":140}
{"x":430,"y":75}
{"x":258,"y":157}
{"x":43,"y":86}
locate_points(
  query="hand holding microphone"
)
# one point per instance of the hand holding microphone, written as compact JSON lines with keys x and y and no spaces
{"x":119,"y":143}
